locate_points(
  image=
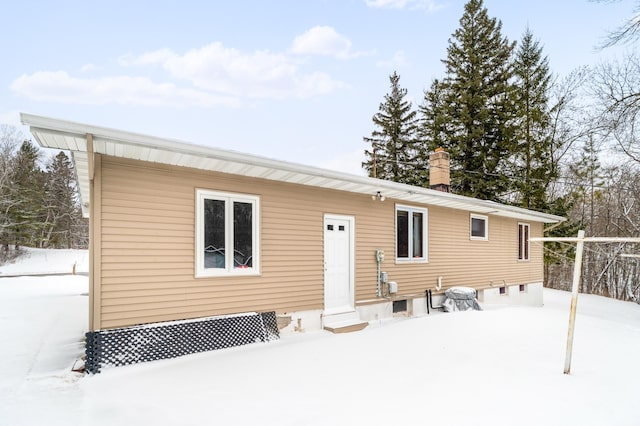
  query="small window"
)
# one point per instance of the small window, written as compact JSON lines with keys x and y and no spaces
{"x":503,"y":290}
{"x":523,"y":241}
{"x":411,"y":234}
{"x":226,"y":234}
{"x":523,"y":288}
{"x":399,"y":306}
{"x":479,"y":227}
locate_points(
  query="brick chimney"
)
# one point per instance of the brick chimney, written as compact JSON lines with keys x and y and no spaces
{"x":439,"y":171}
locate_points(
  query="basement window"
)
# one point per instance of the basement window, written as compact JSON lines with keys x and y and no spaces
{"x":227,"y":234}
{"x":399,"y":306}
{"x":479,"y":226}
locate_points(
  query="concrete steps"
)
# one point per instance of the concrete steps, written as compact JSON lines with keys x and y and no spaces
{"x":344,"y":322}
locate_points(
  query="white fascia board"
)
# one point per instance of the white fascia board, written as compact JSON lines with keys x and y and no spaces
{"x":138,"y":146}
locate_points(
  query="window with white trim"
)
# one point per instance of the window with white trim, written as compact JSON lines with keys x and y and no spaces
{"x":227,"y":234}
{"x":523,"y":241}
{"x":411,"y":234}
{"x":479,"y":227}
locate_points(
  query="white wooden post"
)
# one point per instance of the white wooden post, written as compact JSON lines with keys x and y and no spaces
{"x":577,"y":271}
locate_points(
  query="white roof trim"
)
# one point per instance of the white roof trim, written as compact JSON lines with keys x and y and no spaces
{"x":66,"y":135}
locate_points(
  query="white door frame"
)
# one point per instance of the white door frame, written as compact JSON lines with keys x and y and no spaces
{"x":352,"y":233}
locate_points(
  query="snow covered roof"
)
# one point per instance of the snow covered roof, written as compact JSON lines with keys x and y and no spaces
{"x":67,"y":135}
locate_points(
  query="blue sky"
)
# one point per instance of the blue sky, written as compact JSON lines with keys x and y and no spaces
{"x":296,"y":80}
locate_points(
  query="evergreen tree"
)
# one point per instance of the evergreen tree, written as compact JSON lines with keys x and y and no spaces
{"x":37,"y":208}
{"x":27,"y":192}
{"x":393,"y":150}
{"x":60,"y":203}
{"x":432,"y":125}
{"x":533,"y":166}
{"x":478,"y":104}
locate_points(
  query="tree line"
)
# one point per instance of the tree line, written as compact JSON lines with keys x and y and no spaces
{"x":520,"y":135}
{"x":39,"y":202}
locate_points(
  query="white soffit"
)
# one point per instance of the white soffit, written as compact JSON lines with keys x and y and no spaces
{"x":59,"y":134}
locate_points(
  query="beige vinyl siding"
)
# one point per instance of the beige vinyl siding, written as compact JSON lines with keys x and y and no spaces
{"x":452,"y":255}
{"x":461,"y":261}
{"x":147,"y":252}
{"x":148,"y":256}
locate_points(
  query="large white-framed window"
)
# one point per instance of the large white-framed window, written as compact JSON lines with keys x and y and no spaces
{"x":411,"y":234}
{"x":523,"y":241}
{"x":478,"y":227}
{"x":227,"y":234}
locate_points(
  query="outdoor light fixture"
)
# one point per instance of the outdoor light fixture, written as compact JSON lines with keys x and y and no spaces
{"x":378,"y":196}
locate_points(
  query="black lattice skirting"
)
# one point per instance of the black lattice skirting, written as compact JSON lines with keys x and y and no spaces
{"x":150,"y":342}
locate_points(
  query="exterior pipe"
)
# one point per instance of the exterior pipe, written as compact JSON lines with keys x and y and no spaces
{"x":378,"y":290}
{"x":429,"y":295}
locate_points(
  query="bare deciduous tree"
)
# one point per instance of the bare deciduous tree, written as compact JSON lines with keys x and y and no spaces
{"x":612,"y":211}
{"x":628,"y":32}
{"x":616,"y":87}
{"x":570,"y":122}
{"x":10,"y":138}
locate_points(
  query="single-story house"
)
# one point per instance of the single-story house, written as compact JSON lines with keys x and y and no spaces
{"x":180,"y":232}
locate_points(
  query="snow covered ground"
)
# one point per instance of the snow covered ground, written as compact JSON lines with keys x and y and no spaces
{"x":36,"y":261}
{"x":501,"y":366}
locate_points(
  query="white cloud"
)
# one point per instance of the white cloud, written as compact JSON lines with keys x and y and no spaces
{"x":323,"y":41}
{"x":58,"y":86}
{"x":149,"y":58}
{"x":89,"y":67}
{"x":216,"y":76}
{"x":398,"y":61}
{"x":428,"y":5}
{"x":260,"y":74}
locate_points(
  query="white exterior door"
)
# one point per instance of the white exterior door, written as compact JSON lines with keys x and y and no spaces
{"x":338,"y":264}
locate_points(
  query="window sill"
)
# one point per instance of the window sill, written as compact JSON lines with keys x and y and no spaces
{"x":411,"y":261}
{"x":221,"y":274}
